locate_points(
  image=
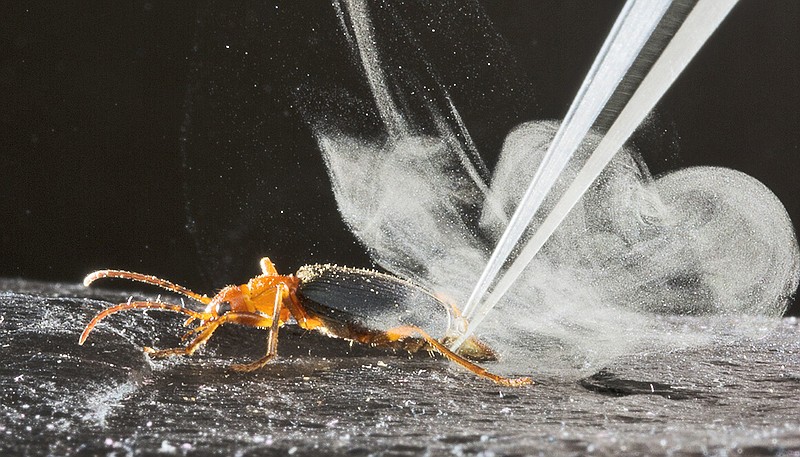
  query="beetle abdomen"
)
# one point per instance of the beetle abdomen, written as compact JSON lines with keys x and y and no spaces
{"x":369,"y":300}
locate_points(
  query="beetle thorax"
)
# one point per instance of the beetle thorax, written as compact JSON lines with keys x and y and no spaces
{"x":263,"y":292}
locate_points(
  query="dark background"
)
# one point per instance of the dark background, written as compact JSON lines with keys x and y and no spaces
{"x":109,"y":112}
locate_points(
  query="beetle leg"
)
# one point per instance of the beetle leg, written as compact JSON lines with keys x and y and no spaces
{"x":207,"y":329}
{"x":272,"y":336}
{"x":272,"y":351}
{"x":405,"y":331}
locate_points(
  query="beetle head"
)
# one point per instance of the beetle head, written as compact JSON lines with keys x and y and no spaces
{"x":229,"y":299}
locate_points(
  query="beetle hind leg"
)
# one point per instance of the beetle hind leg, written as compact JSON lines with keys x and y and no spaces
{"x":399,"y":333}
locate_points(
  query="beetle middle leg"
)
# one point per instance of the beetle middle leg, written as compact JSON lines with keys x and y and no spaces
{"x":272,"y":351}
{"x":272,"y":336}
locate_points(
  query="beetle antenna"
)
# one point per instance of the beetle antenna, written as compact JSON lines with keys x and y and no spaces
{"x":147,"y":279}
{"x":139,"y":305}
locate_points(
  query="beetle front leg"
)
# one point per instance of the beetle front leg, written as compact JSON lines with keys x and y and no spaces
{"x":207,"y":329}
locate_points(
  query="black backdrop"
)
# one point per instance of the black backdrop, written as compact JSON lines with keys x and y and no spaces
{"x":96,"y":97}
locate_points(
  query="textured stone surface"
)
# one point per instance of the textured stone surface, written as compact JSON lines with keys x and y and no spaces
{"x":108,"y":397}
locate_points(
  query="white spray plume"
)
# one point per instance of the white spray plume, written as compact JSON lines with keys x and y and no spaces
{"x":641,"y":263}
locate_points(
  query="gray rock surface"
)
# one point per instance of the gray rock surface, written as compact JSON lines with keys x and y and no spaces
{"x":322,"y":396}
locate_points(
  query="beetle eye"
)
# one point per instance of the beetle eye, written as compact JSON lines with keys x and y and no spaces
{"x":223,"y":308}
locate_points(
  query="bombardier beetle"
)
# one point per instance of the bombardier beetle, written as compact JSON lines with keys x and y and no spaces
{"x":351,"y":303}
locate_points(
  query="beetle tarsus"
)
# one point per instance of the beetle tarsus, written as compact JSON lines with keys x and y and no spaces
{"x":253,"y":366}
{"x":164,"y":353}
